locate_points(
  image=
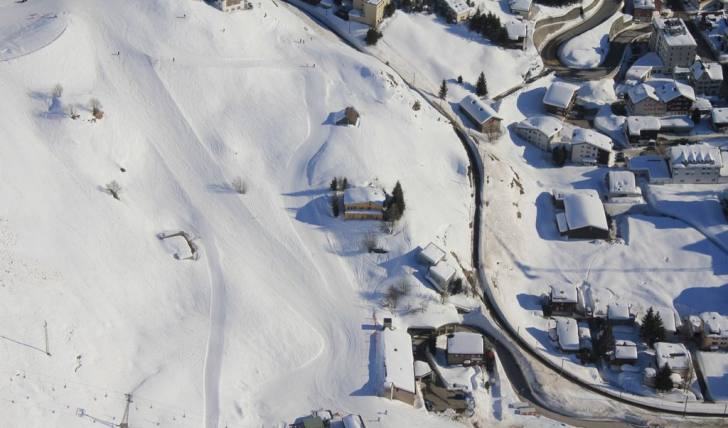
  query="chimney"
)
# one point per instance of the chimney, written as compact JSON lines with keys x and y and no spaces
{"x":387,"y":323}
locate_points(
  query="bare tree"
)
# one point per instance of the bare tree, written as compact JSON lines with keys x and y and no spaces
{"x":370,"y":241}
{"x":394,"y":294}
{"x":114,"y":188}
{"x":73,"y":112}
{"x":239,"y":185}
{"x":96,"y":108}
{"x":57,"y":91}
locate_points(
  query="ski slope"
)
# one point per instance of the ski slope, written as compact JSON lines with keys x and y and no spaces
{"x":271,"y":320}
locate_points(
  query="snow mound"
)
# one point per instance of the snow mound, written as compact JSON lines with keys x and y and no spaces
{"x":588,"y":50}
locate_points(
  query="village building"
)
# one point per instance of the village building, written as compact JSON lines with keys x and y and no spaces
{"x":431,"y":255}
{"x":702,"y":105}
{"x":589,"y":147}
{"x":481,"y":114}
{"x":620,"y":313}
{"x":659,"y":97}
{"x":644,"y":10}
{"x":399,"y":376}
{"x":348,"y":117}
{"x":523,"y":8}
{"x":563,"y":299}
{"x":364,"y":203}
{"x":677,"y":358}
{"x":457,"y":10}
{"x":714,"y":331}
{"x":706,"y":77}
{"x":696,"y":164}
{"x":643,"y":68}
{"x":369,"y":12}
{"x":585,"y":341}
{"x":719,"y":119}
{"x":625,"y":352}
{"x":465,"y":347}
{"x":441,"y":275}
{"x":353,"y":421}
{"x":713,"y":368}
{"x":583,"y":215}
{"x":567,"y":334}
{"x":622,"y":187}
{"x":231,"y":5}
{"x":560,"y":98}
{"x":653,"y":168}
{"x":517,"y":33}
{"x":542,"y":131}
{"x":641,"y":129}
{"x":672,"y":41}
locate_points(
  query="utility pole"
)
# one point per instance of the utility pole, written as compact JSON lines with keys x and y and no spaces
{"x":125,"y":419}
{"x":45,"y":330}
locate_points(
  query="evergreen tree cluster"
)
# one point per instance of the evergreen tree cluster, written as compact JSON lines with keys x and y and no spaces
{"x":489,"y":25}
{"x":663,"y":382}
{"x":652,"y":329}
{"x":395,"y":205}
{"x":373,"y":36}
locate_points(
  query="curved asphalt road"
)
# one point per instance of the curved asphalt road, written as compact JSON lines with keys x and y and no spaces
{"x":550,"y":51}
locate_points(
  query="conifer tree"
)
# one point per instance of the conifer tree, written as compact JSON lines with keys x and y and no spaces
{"x":481,"y":88}
{"x":652,"y":329}
{"x":443,"y":90}
{"x":663,"y":382}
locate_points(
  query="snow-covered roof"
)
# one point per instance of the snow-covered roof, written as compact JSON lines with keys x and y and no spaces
{"x":719,"y":115}
{"x":711,"y":70}
{"x":568,"y":333}
{"x":618,"y":311}
{"x":702,"y":104}
{"x":644,"y":4}
{"x":714,"y":324}
{"x":422,"y":368}
{"x":674,"y":123}
{"x":584,"y":209}
{"x":477,"y":109}
{"x":352,"y":421}
{"x":655,"y":166}
{"x":398,"y":359}
{"x":675,"y":355}
{"x":622,"y":182}
{"x":458,"y":6}
{"x":516,"y":29}
{"x":432,"y":253}
{"x":592,"y":138}
{"x":669,"y":89}
{"x":442,"y":272}
{"x":637,"y":124}
{"x":674,"y":31}
{"x":695,"y":156}
{"x":714,"y":368}
{"x":465,"y":342}
{"x":669,"y":320}
{"x":625,"y":350}
{"x":520,"y":5}
{"x":548,"y":125}
{"x":358,"y":195}
{"x":662,"y":90}
{"x":650,"y":59}
{"x":560,"y":94}
{"x":564,"y":293}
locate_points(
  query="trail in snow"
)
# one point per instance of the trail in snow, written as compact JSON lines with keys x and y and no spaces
{"x":216,"y":338}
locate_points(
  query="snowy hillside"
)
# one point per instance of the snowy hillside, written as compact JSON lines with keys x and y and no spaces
{"x":270,"y":321}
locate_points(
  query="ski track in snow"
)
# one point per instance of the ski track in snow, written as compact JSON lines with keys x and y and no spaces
{"x":216,"y":337}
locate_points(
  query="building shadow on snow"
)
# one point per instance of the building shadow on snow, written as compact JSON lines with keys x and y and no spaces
{"x":695,"y":300}
{"x":546,"y":218}
{"x":534,"y":156}
{"x":371,"y":387}
{"x":529,"y":302}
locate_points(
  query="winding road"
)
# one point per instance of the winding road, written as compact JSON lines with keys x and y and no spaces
{"x":511,"y":348}
{"x":550,"y":51}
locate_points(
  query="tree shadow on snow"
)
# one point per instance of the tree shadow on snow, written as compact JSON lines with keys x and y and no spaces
{"x":220,"y":188}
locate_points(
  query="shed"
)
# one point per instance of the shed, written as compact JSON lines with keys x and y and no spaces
{"x":399,"y":375}
{"x":465,"y":347}
{"x":625,"y":352}
{"x":618,"y":313}
{"x":431,"y":255}
{"x":563,"y":299}
{"x":480,"y":113}
{"x":348,"y":117}
{"x":440,"y":275}
{"x":560,"y":97}
{"x":583,"y":216}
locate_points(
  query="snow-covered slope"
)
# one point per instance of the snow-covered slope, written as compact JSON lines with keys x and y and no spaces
{"x":270,"y":322}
